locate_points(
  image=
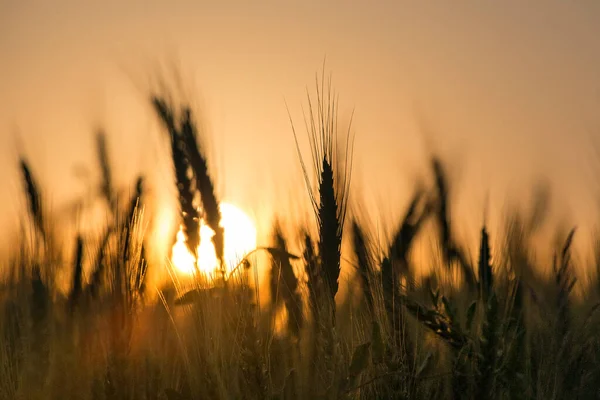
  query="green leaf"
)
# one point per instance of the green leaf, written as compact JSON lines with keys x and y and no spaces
{"x":424,"y":364}
{"x":360,"y":359}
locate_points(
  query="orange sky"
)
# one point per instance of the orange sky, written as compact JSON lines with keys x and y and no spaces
{"x":506,"y":91}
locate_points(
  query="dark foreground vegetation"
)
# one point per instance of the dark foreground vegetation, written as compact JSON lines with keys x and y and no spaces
{"x":82,"y":323}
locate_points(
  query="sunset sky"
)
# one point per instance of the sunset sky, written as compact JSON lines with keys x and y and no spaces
{"x":504,"y":91}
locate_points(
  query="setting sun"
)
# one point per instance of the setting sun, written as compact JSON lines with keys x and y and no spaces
{"x":240,"y":238}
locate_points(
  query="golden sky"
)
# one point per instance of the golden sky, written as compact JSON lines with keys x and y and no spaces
{"x":504,"y":91}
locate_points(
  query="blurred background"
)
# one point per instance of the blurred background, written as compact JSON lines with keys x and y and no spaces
{"x":505,"y":93}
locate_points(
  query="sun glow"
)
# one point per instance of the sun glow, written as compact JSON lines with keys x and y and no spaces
{"x":239,"y":236}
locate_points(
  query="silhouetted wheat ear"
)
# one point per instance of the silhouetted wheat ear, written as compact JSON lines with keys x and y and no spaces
{"x":450,"y":249}
{"x":77,"y":284}
{"x":333,"y":182}
{"x":406,"y":233}
{"x":135,"y":209}
{"x":96,"y":280}
{"x":134,"y":204}
{"x":204,"y":183}
{"x":540,"y":207}
{"x":398,"y":256}
{"x":140,"y":272}
{"x":330,"y":239}
{"x":106,"y":185}
{"x":186,"y":192}
{"x":275,"y":272}
{"x":364,"y":264}
{"x":441,"y":325}
{"x":33,"y":197}
{"x":565,"y":281}
{"x":442,"y":190}
{"x":485,"y":267}
{"x":283,"y":282}
{"x":135,"y":201}
{"x":396,"y":265}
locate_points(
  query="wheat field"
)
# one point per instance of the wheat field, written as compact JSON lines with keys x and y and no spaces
{"x":82,"y":322}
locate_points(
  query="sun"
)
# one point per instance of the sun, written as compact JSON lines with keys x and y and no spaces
{"x":239,"y":237}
